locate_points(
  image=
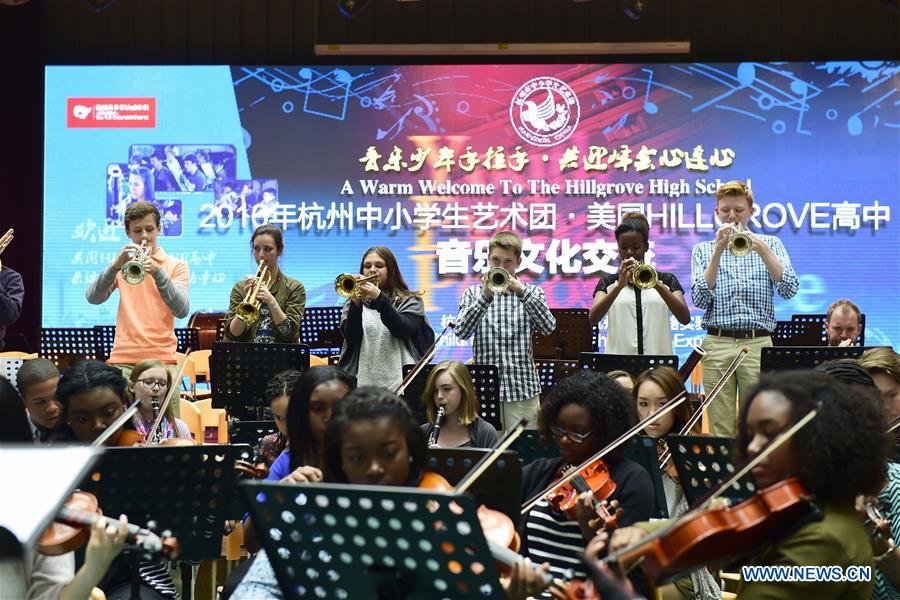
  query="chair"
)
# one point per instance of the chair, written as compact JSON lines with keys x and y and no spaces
{"x":201,"y":363}
{"x":190,"y":371}
{"x":316,"y":361}
{"x":17,"y":354}
{"x":213,"y":423}
{"x":190,"y":414}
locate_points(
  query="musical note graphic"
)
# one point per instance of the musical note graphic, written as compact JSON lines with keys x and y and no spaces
{"x":855,"y":123}
{"x":649,"y":107}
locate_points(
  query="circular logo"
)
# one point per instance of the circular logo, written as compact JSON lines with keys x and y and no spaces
{"x":544,"y":111}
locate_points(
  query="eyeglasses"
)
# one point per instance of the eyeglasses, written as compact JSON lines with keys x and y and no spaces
{"x":154,"y":383}
{"x":572,"y":435}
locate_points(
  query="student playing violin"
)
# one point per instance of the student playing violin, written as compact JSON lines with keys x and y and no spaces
{"x":835,"y":457}
{"x":450,"y":386}
{"x":92,"y":395}
{"x":653,"y":390}
{"x":582,"y":415}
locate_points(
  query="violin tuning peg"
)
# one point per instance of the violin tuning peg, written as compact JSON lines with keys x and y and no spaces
{"x":151,"y":525}
{"x":167,"y":533}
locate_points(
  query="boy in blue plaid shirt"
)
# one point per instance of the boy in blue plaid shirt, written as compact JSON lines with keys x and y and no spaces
{"x":503,"y":325}
{"x":738,"y":294}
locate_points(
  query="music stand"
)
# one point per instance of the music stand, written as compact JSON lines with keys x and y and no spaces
{"x":31,"y":503}
{"x":188,"y":338}
{"x":179,"y":487}
{"x":634,"y":364}
{"x":320,"y":329}
{"x":530,"y":446}
{"x":493,"y":487}
{"x":573,"y":334}
{"x":815,"y":323}
{"x":250,"y":432}
{"x":9,"y":368}
{"x":485,"y":379}
{"x":359,"y":542}
{"x":240,"y":373}
{"x":65,"y":346}
{"x":104,"y":337}
{"x":703,"y":463}
{"x":642,"y":450}
{"x":551,"y":371}
{"x":790,"y":358}
{"x":220,"y":329}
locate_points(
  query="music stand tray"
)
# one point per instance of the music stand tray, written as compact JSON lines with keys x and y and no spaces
{"x":789,"y":358}
{"x":634,"y":364}
{"x":180,"y":488}
{"x":573,"y":335}
{"x":352,"y":542}
{"x":493,"y":487}
{"x":703,"y":463}
{"x":240,"y":372}
{"x":485,"y":378}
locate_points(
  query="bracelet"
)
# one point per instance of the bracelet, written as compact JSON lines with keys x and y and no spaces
{"x":891,"y":548}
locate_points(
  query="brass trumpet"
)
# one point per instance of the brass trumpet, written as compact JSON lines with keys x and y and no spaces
{"x":4,"y":242}
{"x":133,"y":271}
{"x":498,"y":280}
{"x":248,"y":310}
{"x":644,"y":276}
{"x":739,"y":243}
{"x":347,"y":285}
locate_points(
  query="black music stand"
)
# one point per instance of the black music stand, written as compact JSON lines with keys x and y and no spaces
{"x":573,"y":334}
{"x":530,"y":446}
{"x":180,"y":488}
{"x":485,"y":378}
{"x":188,"y":338}
{"x":816,"y":324}
{"x":105,"y":337}
{"x":321,"y":330}
{"x":360,"y":542}
{"x":250,"y":432}
{"x":788,"y":358}
{"x":703,"y":463}
{"x":642,"y":450}
{"x":635,"y":364}
{"x":551,"y":371}
{"x":65,"y":346}
{"x":221,"y":324}
{"x":240,"y":373}
{"x":493,"y":487}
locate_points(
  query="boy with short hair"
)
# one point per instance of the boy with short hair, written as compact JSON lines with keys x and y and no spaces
{"x":503,"y":325}
{"x":145,"y":324}
{"x":37,"y":380}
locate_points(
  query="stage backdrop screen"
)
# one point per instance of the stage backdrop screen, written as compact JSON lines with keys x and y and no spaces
{"x":430,"y":161}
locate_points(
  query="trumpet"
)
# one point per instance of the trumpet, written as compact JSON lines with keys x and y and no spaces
{"x":498,"y":280}
{"x":644,"y":276}
{"x":739,"y":243}
{"x":4,"y":242}
{"x":347,"y":285}
{"x":248,"y":310}
{"x":133,"y":271}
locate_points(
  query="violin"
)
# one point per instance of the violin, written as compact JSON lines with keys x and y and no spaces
{"x":250,"y":470}
{"x":72,"y":530}
{"x":708,"y":536}
{"x":129,"y":438}
{"x":596,"y":479}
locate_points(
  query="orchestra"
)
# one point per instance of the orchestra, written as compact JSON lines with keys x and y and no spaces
{"x":819,"y":447}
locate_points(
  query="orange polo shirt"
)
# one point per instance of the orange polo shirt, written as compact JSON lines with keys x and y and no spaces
{"x":145,"y":326}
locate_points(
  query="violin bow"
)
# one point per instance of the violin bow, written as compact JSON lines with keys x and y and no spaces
{"x":676,"y":401}
{"x":490,"y":458}
{"x":698,"y":414}
{"x":175,"y":388}
{"x":893,"y":425}
{"x":117,"y":424}
{"x":773,"y":445}
{"x":420,"y":364}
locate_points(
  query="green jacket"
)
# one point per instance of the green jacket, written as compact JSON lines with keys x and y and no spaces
{"x":291,"y":297}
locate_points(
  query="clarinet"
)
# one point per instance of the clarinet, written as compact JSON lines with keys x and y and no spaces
{"x":436,"y":430}
{"x":157,"y":436}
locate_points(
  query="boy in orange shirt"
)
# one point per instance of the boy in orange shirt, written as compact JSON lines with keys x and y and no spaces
{"x":145,"y":324}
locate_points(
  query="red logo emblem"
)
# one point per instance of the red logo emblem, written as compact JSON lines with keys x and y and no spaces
{"x":111,"y":112}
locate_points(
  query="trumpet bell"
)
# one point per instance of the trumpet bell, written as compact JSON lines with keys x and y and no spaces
{"x":247,"y":312}
{"x":498,"y":280}
{"x":133,"y":272}
{"x":740,"y":244}
{"x":644,"y":276}
{"x":346,"y":285}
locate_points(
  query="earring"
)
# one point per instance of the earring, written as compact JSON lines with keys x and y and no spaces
{"x":410,"y":459}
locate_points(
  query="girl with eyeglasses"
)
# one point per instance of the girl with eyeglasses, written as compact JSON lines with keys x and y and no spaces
{"x":150,"y":383}
{"x":581,"y":416}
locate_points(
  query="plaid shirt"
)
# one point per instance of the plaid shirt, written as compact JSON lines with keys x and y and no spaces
{"x":744,"y":296}
{"x":503,"y":326}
